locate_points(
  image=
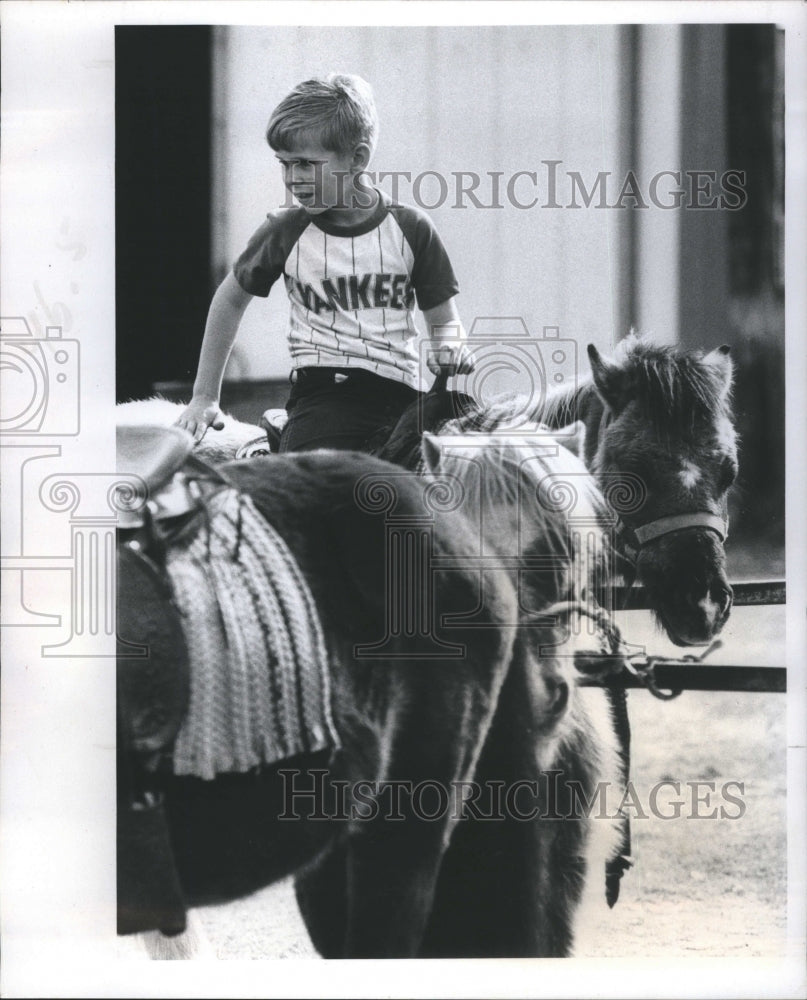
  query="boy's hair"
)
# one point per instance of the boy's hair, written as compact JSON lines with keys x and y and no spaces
{"x":338,"y":111}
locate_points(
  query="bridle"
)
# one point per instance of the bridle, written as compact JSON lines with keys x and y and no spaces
{"x":634,"y":539}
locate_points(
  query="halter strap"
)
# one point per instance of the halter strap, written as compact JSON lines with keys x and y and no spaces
{"x":675,"y":522}
{"x":635,"y":538}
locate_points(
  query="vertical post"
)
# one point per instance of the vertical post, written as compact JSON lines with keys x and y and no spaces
{"x":658,"y":149}
{"x":627,"y":307}
{"x":704,"y":255}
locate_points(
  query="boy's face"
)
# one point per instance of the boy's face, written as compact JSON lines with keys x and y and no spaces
{"x":319,"y":179}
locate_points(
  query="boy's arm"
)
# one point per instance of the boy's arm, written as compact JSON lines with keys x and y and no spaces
{"x":448,"y":347}
{"x":223,"y":319}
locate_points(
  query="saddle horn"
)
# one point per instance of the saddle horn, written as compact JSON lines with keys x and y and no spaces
{"x":440,"y":383}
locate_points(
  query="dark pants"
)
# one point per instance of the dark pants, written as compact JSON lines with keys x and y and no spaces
{"x":346,"y":414}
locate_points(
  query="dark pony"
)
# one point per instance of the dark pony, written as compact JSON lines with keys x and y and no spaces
{"x":660,"y":441}
{"x":468,"y":689}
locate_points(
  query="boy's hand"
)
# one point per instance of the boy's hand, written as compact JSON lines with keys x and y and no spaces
{"x":455,"y":359}
{"x":198,"y":416}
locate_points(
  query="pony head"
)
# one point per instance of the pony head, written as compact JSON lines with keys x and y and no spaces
{"x":663,"y":448}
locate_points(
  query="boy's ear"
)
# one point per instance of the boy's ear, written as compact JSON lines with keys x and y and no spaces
{"x":361,"y":157}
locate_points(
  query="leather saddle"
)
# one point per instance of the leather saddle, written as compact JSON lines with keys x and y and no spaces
{"x":152,"y":453}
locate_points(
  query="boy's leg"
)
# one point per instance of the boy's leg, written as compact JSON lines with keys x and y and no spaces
{"x":343,"y":415}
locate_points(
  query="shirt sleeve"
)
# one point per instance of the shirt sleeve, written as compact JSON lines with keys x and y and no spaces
{"x":262,"y":263}
{"x":433,"y":277}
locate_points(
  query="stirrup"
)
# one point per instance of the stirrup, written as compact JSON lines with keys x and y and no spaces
{"x":273,"y":422}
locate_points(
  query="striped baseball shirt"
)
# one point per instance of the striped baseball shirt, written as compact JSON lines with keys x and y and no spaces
{"x":352,"y":290}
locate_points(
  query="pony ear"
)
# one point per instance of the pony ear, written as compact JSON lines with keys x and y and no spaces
{"x":608,"y":378}
{"x":431,"y":451}
{"x":720,"y":362}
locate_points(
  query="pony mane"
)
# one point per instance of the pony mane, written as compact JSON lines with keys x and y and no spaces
{"x":672,"y":387}
{"x":501,"y":457}
{"x":564,"y":406}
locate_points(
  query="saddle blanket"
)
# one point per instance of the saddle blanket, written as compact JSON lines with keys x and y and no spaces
{"x":259,"y":681}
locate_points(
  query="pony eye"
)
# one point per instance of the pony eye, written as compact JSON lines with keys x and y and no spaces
{"x":728,"y":472}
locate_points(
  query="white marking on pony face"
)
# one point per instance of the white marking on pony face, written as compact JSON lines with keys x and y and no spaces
{"x":709,"y":608}
{"x":689,"y":475}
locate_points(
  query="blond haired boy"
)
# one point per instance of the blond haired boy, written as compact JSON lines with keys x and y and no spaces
{"x":354,"y":265}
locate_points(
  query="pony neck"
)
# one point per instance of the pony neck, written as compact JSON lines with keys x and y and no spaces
{"x":401,"y":443}
{"x":564,"y":406}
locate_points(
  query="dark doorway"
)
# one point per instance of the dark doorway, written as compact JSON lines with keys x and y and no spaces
{"x":162,"y":183}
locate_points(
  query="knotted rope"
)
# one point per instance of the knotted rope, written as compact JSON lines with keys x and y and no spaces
{"x":260,"y":688}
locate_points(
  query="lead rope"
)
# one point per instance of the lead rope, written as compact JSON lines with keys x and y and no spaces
{"x":608,"y":661}
{"x":616,"y":867}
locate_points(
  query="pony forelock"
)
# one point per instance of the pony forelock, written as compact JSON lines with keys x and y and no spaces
{"x":672,"y":387}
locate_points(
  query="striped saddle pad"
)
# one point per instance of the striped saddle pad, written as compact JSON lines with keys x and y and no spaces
{"x":259,"y":680}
